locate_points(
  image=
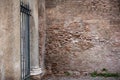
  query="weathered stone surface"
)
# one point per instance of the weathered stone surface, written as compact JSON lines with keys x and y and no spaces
{"x":9,"y":40}
{"x":42,"y":33}
{"x":82,"y":36}
{"x":81,"y":78}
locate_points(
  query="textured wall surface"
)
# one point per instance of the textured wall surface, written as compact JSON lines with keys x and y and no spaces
{"x":82,"y":36}
{"x":9,"y":40}
{"x":42,"y":32}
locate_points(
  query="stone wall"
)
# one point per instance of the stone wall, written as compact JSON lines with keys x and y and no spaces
{"x":9,"y":40}
{"x":83,"y":36}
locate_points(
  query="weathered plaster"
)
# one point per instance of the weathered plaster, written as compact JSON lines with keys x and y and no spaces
{"x":9,"y":40}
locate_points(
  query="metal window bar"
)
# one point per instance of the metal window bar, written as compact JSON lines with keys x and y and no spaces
{"x":25,"y":42}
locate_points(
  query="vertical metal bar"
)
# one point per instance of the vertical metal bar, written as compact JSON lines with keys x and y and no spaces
{"x":28,"y":42}
{"x":22,"y":49}
{"x":23,"y":27}
{"x":24,"y":31}
{"x":21,"y":43}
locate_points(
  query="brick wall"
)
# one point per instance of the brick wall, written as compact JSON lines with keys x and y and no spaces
{"x":82,"y":36}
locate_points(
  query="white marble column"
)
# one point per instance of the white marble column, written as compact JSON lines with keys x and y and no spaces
{"x":34,"y":38}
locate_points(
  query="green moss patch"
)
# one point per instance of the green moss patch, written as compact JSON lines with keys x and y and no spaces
{"x":67,"y":73}
{"x":107,"y":74}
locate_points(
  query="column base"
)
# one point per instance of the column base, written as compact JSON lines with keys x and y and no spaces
{"x":35,"y":71}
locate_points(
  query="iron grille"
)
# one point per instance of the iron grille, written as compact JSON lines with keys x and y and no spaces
{"x":25,"y":41}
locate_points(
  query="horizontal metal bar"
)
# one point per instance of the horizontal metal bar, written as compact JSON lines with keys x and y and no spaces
{"x":25,"y":8}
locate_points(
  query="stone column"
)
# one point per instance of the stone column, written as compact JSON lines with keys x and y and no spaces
{"x":34,"y":38}
{"x":42,"y":34}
